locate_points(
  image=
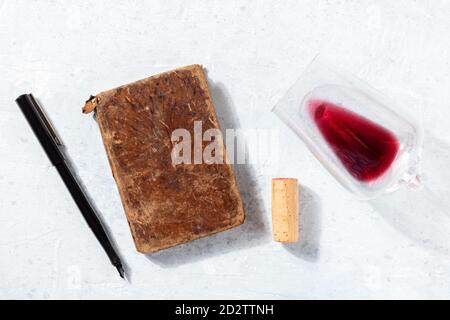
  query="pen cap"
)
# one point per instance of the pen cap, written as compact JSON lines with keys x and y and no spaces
{"x":41,"y":127}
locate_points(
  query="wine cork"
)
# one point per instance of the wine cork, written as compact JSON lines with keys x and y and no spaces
{"x":285,"y":209}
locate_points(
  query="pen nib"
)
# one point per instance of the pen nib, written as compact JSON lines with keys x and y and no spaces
{"x":121,"y":271}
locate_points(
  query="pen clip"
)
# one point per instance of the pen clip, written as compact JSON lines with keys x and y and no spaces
{"x":46,"y":121}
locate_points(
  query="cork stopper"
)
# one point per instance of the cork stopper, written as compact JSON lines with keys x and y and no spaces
{"x":285,"y":210}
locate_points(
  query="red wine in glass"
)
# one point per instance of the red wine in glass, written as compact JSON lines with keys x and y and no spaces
{"x":365,"y":148}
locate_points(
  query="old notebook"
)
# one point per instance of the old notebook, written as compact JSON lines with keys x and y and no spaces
{"x":166,"y":203}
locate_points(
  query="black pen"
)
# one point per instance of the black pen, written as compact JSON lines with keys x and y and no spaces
{"x":51,"y":143}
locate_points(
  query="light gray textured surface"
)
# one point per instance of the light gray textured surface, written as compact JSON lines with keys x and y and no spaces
{"x":62,"y":51}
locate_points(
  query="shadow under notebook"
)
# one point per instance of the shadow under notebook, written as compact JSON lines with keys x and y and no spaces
{"x":255,"y":229}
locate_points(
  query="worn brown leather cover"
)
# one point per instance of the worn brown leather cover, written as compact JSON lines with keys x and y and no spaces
{"x":165,"y":204}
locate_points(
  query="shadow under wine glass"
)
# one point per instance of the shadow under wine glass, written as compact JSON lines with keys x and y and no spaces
{"x":423,"y":215}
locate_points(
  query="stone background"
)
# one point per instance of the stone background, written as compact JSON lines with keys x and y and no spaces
{"x":63,"y":51}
